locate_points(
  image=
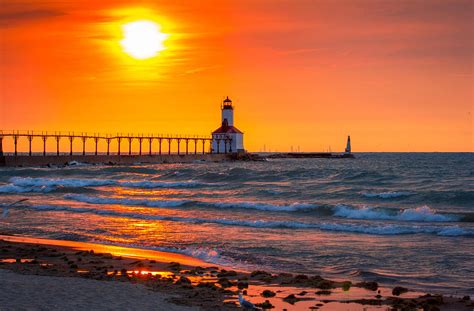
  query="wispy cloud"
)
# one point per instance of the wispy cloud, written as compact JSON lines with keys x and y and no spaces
{"x":200,"y":69}
{"x":9,"y":18}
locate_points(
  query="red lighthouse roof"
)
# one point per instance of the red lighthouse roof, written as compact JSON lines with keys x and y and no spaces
{"x":226,"y":129}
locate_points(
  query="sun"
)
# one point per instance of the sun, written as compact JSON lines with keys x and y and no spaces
{"x":142,"y":39}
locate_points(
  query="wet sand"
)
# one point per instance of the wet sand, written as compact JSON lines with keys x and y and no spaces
{"x":52,"y":274}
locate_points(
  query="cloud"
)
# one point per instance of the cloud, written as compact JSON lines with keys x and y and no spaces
{"x":200,"y":69}
{"x":13,"y":17}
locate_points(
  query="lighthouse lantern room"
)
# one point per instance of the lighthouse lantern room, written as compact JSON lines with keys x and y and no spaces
{"x":227,"y":138}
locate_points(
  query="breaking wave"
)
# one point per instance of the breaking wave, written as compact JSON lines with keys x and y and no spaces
{"x":33,"y":183}
{"x":175,"y":203}
{"x":423,"y":213}
{"x":205,"y":254}
{"x":388,"y":229}
{"x":124,"y":201}
{"x":419,"y":214}
{"x":59,"y":182}
{"x":17,"y":189}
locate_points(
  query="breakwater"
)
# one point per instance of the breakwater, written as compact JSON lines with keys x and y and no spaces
{"x":308,"y":155}
{"x":24,"y":160}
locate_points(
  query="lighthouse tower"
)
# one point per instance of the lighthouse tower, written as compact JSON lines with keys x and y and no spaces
{"x":348,"y":145}
{"x":227,"y":111}
{"x":227,"y":138}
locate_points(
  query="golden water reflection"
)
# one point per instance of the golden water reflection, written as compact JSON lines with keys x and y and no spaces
{"x":162,"y":274}
{"x":114,"y":250}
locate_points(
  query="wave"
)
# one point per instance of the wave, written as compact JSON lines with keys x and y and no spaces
{"x":397,"y":229}
{"x":124,"y":201}
{"x":160,"y":184}
{"x":419,"y":214}
{"x":33,"y":183}
{"x":423,"y":213}
{"x":452,"y":197}
{"x":366,"y":176}
{"x":130,"y":169}
{"x":59,"y":182}
{"x":175,"y":203}
{"x":206,"y":254}
{"x":17,"y":189}
{"x":386,"y":195}
{"x":261,"y":206}
{"x":390,"y":229}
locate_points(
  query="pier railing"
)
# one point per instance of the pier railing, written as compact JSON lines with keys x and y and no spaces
{"x":196,"y":142}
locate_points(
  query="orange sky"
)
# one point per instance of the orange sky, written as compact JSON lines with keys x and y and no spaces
{"x":395,"y":75}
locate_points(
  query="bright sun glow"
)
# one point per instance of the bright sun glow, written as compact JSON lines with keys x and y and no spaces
{"x":142,"y":39}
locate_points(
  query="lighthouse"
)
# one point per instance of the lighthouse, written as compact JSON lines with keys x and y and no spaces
{"x":348,"y":145}
{"x":227,"y":138}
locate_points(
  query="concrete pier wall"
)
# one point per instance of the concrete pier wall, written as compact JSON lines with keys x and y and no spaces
{"x":23,"y":160}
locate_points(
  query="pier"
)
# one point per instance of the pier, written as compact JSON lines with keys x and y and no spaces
{"x":152,"y":148}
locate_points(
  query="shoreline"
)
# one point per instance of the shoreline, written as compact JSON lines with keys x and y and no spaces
{"x":138,"y":253}
{"x":186,"y":281}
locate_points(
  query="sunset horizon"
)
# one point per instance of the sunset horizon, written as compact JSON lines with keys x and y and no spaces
{"x":284,"y":155}
{"x":394,"y":76}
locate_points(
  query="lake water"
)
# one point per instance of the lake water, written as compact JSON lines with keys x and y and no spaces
{"x":397,"y":218}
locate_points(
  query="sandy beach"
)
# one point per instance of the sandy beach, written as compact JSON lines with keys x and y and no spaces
{"x":32,"y":292}
{"x":41,"y":274}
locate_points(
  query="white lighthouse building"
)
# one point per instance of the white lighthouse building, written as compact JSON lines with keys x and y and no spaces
{"x":227,"y":138}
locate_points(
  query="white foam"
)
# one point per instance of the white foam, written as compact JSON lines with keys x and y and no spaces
{"x":425,"y":213}
{"x":386,"y":195}
{"x":76,"y":163}
{"x":422,"y":213}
